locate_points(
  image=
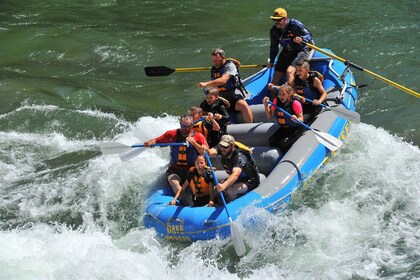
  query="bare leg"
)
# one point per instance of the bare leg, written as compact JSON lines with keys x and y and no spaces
{"x":275,"y":81}
{"x":173,"y":180}
{"x":290,"y":74}
{"x":236,"y":189}
{"x":243,"y":107}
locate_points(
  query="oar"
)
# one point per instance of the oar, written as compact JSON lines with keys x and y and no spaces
{"x":235,"y":233}
{"x":342,"y":112}
{"x":154,"y":71}
{"x":392,"y":83}
{"x":324,"y":138}
{"x":126,"y":152}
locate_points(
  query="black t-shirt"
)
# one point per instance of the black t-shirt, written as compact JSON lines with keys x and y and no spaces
{"x":239,"y":159}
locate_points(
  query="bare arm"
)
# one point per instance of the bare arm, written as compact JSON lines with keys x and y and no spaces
{"x":216,"y":82}
{"x":236,"y":171}
{"x":183,"y":188}
{"x":268,"y":113}
{"x":320,"y":87}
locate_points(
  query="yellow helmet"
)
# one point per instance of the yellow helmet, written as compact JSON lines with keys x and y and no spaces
{"x":279,"y":13}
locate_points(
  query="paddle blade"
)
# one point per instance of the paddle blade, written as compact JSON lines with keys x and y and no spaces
{"x":346,"y":114}
{"x":155,"y":71}
{"x":131,"y":154}
{"x":327,"y":140}
{"x":237,"y":239}
{"x":109,"y":148}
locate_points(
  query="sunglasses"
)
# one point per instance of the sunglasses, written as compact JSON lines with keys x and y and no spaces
{"x":224,"y":147}
{"x":185,"y":126}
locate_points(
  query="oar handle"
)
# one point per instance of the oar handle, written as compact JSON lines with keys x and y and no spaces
{"x":216,"y":182}
{"x":289,"y":115}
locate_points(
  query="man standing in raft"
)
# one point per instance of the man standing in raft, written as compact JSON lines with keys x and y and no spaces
{"x":225,"y":76}
{"x":289,"y":33}
{"x":182,"y":157}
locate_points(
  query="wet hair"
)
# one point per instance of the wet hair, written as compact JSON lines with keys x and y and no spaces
{"x":211,"y":91}
{"x":218,"y":51}
{"x":195,"y":109}
{"x":304,"y":64}
{"x":186,"y":118}
{"x":200,"y":156}
{"x":287,"y":88}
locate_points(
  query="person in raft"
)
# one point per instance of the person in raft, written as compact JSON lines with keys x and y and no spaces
{"x":225,"y":76}
{"x":308,"y":84}
{"x":218,"y":107}
{"x":239,"y":164}
{"x":182,"y":157}
{"x":200,"y":181}
{"x":288,"y":33}
{"x":289,"y":130}
{"x":207,"y":126}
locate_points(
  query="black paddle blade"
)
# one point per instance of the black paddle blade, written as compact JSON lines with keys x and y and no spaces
{"x":155,"y":71}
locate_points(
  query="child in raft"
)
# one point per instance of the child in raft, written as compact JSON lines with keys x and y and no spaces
{"x":200,"y":181}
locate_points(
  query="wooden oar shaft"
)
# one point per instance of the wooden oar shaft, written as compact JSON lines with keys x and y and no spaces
{"x":392,"y":83}
{"x":198,"y":69}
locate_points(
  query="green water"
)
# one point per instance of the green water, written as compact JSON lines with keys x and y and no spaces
{"x":91,"y":54}
{"x":71,"y":75}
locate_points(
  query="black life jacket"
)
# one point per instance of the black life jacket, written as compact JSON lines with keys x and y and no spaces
{"x":234,"y":82}
{"x":307,"y":88}
{"x":250,"y":170}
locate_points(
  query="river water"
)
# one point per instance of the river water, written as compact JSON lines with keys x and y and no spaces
{"x":72,"y":76}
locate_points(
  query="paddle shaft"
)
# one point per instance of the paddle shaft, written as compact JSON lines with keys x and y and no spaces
{"x":289,"y":115}
{"x":198,"y":69}
{"x":216,"y":182}
{"x":342,"y":112}
{"x":157,"y":71}
{"x":159,"y":145}
{"x":392,"y":83}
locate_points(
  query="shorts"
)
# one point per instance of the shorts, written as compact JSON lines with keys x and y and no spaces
{"x":177,"y":172}
{"x":284,"y":137}
{"x":232,"y":96}
{"x":287,"y":59}
{"x":201,"y":200}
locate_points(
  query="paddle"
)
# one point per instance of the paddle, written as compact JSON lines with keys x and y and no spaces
{"x":340,"y":111}
{"x":235,"y":233}
{"x":108,"y":148}
{"x":155,"y":71}
{"x":324,"y":138}
{"x":392,"y":83}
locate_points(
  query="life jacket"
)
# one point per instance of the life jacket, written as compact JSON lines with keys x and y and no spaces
{"x":198,"y":183}
{"x":234,"y":82}
{"x":283,"y":120}
{"x":183,"y":156}
{"x":307,"y":88}
{"x":200,"y":127}
{"x":250,"y":170}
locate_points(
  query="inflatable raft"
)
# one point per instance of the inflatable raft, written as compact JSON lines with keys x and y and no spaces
{"x":281,"y":174}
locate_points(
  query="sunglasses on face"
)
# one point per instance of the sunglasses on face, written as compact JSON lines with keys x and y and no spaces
{"x":186,"y":126}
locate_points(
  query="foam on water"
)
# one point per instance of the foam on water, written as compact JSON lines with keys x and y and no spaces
{"x":81,"y":218}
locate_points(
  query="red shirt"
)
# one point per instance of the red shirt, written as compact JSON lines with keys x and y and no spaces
{"x":170,"y":137}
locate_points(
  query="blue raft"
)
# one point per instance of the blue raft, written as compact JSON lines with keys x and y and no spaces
{"x":281,"y":174}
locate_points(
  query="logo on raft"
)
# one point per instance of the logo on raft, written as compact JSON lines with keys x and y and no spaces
{"x":175,"y":227}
